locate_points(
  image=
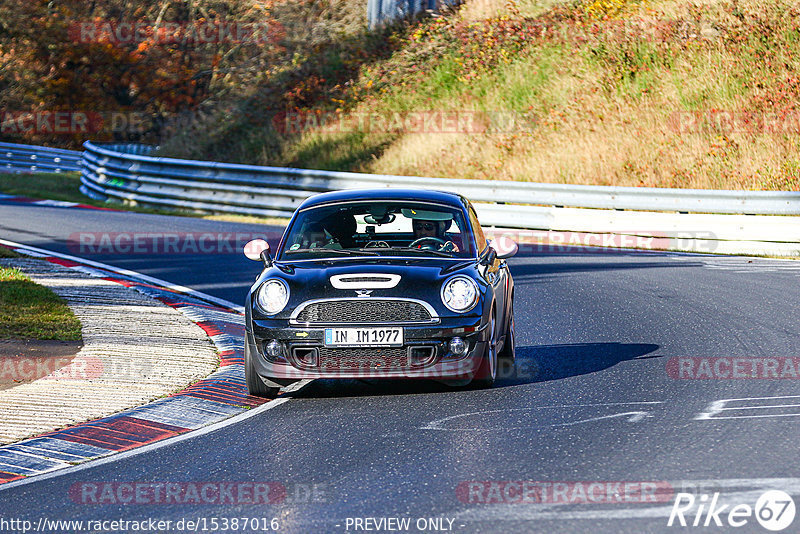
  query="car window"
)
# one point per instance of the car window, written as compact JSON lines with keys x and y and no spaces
{"x":386,"y":228}
{"x":480,"y":239}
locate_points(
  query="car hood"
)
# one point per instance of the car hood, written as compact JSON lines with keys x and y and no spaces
{"x":419,"y":278}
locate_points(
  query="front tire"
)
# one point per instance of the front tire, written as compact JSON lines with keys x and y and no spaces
{"x":487,"y":372}
{"x":509,"y":352}
{"x":255,"y":385}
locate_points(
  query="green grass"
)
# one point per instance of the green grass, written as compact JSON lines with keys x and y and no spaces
{"x":31,"y":311}
{"x":524,"y":82}
{"x":62,"y":186}
{"x":52,"y":186}
{"x":8,"y":253}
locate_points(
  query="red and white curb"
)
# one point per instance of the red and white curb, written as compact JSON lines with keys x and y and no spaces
{"x":211,"y":401}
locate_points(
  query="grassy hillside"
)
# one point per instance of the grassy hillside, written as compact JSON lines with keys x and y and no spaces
{"x":591,"y":92}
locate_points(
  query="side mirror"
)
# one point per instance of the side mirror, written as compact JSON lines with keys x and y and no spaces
{"x":258,"y":249}
{"x":505,"y":247}
{"x":488,"y":256}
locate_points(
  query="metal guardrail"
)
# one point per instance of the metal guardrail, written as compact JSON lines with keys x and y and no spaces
{"x":706,"y":221}
{"x":116,"y":172}
{"x":29,"y":158}
{"x":382,"y":11}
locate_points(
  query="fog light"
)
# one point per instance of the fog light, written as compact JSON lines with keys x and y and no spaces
{"x":458,"y":346}
{"x":274,"y":349}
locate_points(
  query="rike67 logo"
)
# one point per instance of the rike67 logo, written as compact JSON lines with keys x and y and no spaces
{"x":774,"y":510}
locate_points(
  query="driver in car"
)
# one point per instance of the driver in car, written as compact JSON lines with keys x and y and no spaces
{"x":435,"y":230}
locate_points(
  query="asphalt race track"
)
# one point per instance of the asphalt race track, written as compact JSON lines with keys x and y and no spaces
{"x":596,"y":398}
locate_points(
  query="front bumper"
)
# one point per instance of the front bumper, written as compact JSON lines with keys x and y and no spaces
{"x":424,"y":354}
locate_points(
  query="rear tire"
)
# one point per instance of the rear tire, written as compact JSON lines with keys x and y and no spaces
{"x":255,"y":385}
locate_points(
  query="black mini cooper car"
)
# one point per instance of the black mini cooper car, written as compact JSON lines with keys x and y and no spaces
{"x":385,"y":283}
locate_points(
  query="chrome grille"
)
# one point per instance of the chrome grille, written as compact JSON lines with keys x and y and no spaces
{"x":357,"y":311}
{"x":350,"y":359}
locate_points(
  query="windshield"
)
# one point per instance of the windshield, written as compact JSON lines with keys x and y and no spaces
{"x":378,"y":228}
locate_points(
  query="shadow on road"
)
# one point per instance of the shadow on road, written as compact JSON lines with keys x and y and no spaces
{"x":552,"y":362}
{"x":534,"y":364}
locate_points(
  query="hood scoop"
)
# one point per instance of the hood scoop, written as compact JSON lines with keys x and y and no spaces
{"x":365,"y":281}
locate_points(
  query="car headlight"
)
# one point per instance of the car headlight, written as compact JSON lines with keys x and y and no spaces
{"x":272,"y":296}
{"x":460,"y":294}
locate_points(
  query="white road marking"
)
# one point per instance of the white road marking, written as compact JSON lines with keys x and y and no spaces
{"x":719,"y":406}
{"x":742,"y":265}
{"x":765,"y":406}
{"x":635,"y":416}
{"x":55,"y":203}
{"x":755,"y":416}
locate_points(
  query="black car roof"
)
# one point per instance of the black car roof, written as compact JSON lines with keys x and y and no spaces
{"x":443,"y":197}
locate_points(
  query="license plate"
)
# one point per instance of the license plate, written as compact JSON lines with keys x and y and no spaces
{"x":364,"y":337}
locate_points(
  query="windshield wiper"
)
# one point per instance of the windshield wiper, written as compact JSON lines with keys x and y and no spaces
{"x":361,"y":250}
{"x":425,"y":250}
{"x":346,"y":251}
